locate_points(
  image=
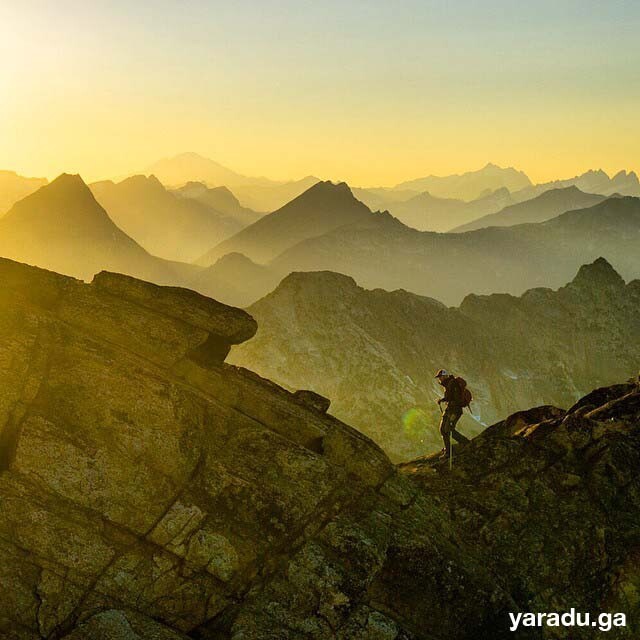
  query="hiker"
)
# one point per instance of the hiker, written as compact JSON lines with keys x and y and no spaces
{"x":457,"y":397}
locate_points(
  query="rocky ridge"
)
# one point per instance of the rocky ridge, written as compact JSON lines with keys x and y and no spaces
{"x":150,"y":491}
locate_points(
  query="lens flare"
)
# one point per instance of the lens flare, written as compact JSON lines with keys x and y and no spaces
{"x":415,"y":423}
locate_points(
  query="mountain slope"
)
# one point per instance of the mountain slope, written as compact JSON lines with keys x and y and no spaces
{"x":62,"y":227}
{"x":543,"y":207}
{"x":470,"y":185}
{"x":220,"y":199}
{"x":322,"y":208}
{"x":450,"y":266}
{"x":149,"y":491}
{"x":374,"y":353}
{"x":14,"y":187}
{"x":235,"y":280}
{"x":164,"y":224}
{"x":272,"y":196}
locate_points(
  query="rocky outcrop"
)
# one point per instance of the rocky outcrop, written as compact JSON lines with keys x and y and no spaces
{"x":146,"y":493}
{"x":374,"y":353}
{"x":138,"y":475}
{"x":553,"y":505}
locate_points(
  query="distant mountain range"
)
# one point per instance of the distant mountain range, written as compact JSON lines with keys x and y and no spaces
{"x":425,"y":212}
{"x":622,"y":183}
{"x":547,"y":205}
{"x":220,"y":199}
{"x":62,"y":227}
{"x":326,"y":228}
{"x":374,"y":353}
{"x":322,"y":208}
{"x":424,"y":203}
{"x":188,"y":167}
{"x":259,"y":194}
{"x":382,"y":252}
{"x":14,"y":187}
{"x":167,"y":225}
{"x":470,"y":185}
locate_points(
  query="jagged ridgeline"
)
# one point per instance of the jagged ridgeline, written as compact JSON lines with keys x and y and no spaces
{"x":150,"y":491}
{"x":374,"y":353}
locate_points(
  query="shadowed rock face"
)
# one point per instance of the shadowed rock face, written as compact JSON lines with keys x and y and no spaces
{"x":147,"y":492}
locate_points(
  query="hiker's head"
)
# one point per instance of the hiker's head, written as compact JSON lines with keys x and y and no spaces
{"x":442,"y":376}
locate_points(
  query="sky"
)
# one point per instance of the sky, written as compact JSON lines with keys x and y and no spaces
{"x":369,"y":92}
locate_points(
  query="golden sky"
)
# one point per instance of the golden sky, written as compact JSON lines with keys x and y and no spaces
{"x":373,"y":93}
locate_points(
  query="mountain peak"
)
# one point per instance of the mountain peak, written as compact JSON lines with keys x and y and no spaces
{"x":624,"y":176}
{"x":142,"y":181}
{"x":330,"y":281}
{"x":67,"y":181}
{"x":68,"y":199}
{"x":234,"y":259}
{"x":598,"y":274}
{"x":327,"y":186}
{"x":66,"y":188}
{"x":325,"y":193}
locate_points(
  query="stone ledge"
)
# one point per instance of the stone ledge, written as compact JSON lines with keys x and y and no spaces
{"x":232,"y":324}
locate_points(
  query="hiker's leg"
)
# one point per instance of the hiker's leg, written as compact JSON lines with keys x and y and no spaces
{"x":446,"y":439}
{"x":457,"y":436}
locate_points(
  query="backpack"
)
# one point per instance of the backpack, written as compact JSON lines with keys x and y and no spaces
{"x":465,"y":394}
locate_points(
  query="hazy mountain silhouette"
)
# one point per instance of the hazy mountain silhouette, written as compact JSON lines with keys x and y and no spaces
{"x":470,"y":185}
{"x":374,"y":353}
{"x":165,"y":224}
{"x":450,"y":266}
{"x":257,"y":193}
{"x":544,"y":207}
{"x":188,"y":167}
{"x":14,"y":187}
{"x":235,"y":280}
{"x":593,"y":181}
{"x":221,"y":199}
{"x":382,"y":198}
{"x":322,"y":208}
{"x":63,"y":228}
{"x":428,"y":213}
{"x":273,"y":196}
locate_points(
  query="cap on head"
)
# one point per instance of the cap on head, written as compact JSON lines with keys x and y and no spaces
{"x":442,"y":373}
